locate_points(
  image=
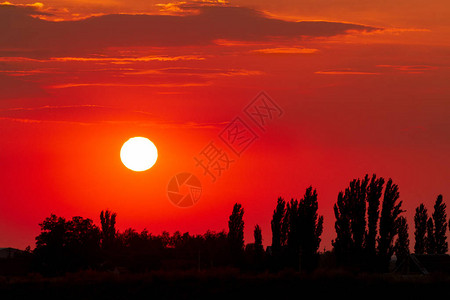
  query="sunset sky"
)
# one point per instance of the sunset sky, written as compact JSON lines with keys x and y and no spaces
{"x":363,"y":87}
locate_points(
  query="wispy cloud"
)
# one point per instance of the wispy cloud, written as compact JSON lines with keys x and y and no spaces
{"x":52,"y":107}
{"x":186,"y":7}
{"x":411,"y":69}
{"x":18,"y":59}
{"x":20,"y":73}
{"x":234,"y":43}
{"x":205,"y":72}
{"x":128,"y":59}
{"x":345,"y":72}
{"x":286,"y":50}
{"x":117,"y":84}
{"x":91,"y":114}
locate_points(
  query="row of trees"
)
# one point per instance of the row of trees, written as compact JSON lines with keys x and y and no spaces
{"x":365,"y":236}
{"x":430,"y":232}
{"x":369,"y":229}
{"x":296,"y":230}
{"x":70,"y":245}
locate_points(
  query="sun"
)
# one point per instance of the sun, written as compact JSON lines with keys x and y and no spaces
{"x":138,"y":154}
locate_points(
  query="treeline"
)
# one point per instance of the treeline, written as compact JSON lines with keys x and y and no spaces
{"x":369,"y":227}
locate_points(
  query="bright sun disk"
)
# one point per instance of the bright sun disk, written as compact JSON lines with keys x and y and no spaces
{"x":138,"y":154}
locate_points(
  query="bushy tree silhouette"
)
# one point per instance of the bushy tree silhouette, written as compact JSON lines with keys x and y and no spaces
{"x":215,"y":249}
{"x":67,"y":245}
{"x":53,"y":231}
{"x":440,"y":226}
{"x":420,"y":224}
{"x":401,"y":247}
{"x":50,"y":245}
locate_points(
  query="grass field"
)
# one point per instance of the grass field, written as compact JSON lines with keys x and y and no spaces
{"x":225,"y":284}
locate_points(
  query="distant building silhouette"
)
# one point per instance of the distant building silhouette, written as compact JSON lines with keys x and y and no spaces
{"x":10,"y":252}
{"x":424,"y":264}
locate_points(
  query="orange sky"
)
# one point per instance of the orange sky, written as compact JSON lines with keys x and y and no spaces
{"x":363,"y":86}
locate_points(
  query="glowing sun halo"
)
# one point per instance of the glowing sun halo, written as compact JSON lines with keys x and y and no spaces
{"x":138,"y":154}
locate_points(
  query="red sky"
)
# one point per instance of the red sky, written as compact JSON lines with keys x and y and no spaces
{"x":363,"y":86}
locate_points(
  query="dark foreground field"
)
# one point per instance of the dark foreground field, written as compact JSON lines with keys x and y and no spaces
{"x":224,"y":284}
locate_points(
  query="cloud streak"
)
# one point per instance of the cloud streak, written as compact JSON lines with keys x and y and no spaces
{"x":117,"y":84}
{"x":197,"y":71}
{"x":345,"y":72}
{"x":286,"y":50}
{"x":411,"y":69}
{"x":123,"y":60}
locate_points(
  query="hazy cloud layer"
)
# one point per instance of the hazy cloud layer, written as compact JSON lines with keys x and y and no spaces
{"x":21,"y":29}
{"x":95,"y":114}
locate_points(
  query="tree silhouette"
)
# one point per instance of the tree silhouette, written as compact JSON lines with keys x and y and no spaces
{"x":389,"y":222}
{"x":401,"y":247}
{"x":291,"y":220}
{"x":310,"y":229}
{"x":420,"y":224}
{"x":67,"y":245}
{"x":108,"y":224}
{"x":276,"y":226}
{"x":440,"y":226}
{"x":285,"y":228}
{"x":255,"y":257}
{"x":82,"y":233}
{"x":50,"y":244}
{"x":129,"y":238}
{"x":374,"y":192}
{"x":365,"y":237}
{"x":357,"y":193}
{"x":53,"y":230}
{"x":236,"y":232}
{"x":353,"y":242}
{"x":215,"y":248}
{"x":258,"y":239}
{"x":138,"y":252}
{"x":83,"y":243}
{"x":303,"y":229}
{"x":430,"y":245}
{"x":342,"y":245}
